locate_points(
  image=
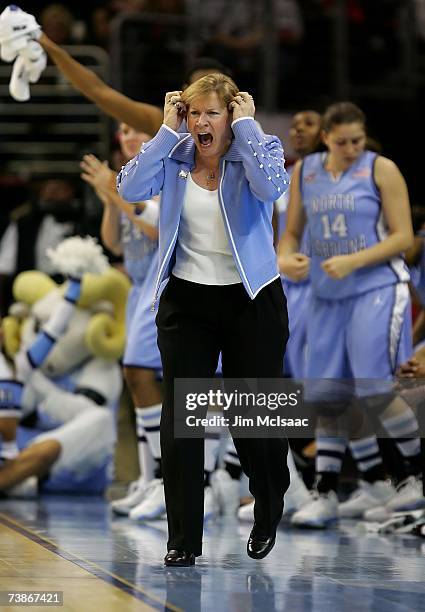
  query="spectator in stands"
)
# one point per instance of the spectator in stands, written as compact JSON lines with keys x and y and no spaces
{"x":57,"y":21}
{"x":99,"y":29}
{"x":60,"y":210}
{"x":51,"y":214}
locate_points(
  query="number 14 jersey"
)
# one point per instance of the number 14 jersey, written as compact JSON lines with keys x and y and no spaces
{"x":345,"y":216}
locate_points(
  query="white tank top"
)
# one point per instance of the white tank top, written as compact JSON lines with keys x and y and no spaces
{"x":203,"y":253}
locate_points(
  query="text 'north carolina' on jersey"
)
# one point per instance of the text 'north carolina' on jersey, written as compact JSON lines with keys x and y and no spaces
{"x":345,"y":216}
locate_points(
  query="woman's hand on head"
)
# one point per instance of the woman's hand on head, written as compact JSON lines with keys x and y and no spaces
{"x":174,"y":110}
{"x":98,"y":174}
{"x":242,"y":105}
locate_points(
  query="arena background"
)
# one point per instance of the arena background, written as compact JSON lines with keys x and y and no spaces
{"x":292,"y":55}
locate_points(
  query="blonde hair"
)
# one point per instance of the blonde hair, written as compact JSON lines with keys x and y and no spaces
{"x":225,"y":88}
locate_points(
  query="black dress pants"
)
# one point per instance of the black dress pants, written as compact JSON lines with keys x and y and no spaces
{"x":195,"y":322}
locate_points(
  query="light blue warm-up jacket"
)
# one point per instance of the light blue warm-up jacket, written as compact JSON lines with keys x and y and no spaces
{"x":252,"y":177}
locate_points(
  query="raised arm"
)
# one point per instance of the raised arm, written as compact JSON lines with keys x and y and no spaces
{"x":141,"y":116}
{"x":263,"y":159}
{"x":144,"y":215}
{"x":110,"y":226}
{"x":143,"y":176}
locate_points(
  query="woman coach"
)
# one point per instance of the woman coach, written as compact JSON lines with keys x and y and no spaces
{"x":218,"y":186}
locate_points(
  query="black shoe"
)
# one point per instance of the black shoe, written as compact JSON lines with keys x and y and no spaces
{"x":259,"y":545}
{"x":179,"y":558}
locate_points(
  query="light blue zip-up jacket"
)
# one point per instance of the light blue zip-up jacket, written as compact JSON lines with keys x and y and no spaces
{"x":252,"y":177}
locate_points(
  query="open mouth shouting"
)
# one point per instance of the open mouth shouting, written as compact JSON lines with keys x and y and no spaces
{"x":205,"y":139}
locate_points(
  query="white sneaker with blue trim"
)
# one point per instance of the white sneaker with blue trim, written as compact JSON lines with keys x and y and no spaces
{"x":318,"y":513}
{"x":153,"y":505}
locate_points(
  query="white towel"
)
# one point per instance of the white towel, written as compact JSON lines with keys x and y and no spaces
{"x":15,"y":24}
{"x":27,"y":69}
{"x":18,"y":33}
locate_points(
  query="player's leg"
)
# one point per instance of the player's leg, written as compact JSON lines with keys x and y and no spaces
{"x":385,"y":315}
{"x":35,"y":460}
{"x":330,"y":393}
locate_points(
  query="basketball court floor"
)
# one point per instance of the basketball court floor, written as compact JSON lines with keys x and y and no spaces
{"x":72,"y":544}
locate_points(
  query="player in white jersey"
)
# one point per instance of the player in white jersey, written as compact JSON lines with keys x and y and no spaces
{"x":357,"y":210}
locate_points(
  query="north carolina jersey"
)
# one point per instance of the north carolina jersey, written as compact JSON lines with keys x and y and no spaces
{"x":344,"y":217}
{"x":138,"y":250}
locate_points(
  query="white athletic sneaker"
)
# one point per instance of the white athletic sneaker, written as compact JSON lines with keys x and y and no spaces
{"x":320,"y":512}
{"x":409,"y":496}
{"x":133,"y":486}
{"x":399,"y":522}
{"x":210,"y":504}
{"x":377,"y":515}
{"x":153,"y":505}
{"x":226,"y":492}
{"x":135,"y":495}
{"x":366,"y":496}
{"x":295,"y":497}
